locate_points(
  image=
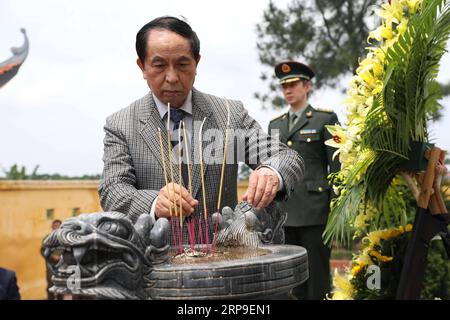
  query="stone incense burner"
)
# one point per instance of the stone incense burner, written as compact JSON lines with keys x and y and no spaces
{"x":106,"y":256}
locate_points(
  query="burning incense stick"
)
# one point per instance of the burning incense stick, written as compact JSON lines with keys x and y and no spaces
{"x":203,"y":185}
{"x":163,"y":157}
{"x":190,"y":226}
{"x":169,"y":153}
{"x":222,"y":175}
{"x":180,"y":176}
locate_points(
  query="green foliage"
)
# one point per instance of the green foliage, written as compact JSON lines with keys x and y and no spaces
{"x":436,"y":282}
{"x":244,"y":172}
{"x":396,"y":208}
{"x":397,"y":117}
{"x":410,"y":95}
{"x":16,"y":173}
{"x":445,"y":89}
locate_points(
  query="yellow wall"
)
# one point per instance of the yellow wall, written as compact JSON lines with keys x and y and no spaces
{"x":242,"y":187}
{"x":24,"y":223}
{"x":24,"y":208}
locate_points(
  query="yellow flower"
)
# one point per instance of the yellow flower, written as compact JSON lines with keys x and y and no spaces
{"x":375,"y":34}
{"x":378,"y":53}
{"x":339,"y":139}
{"x":386,"y":32}
{"x":343,"y":289}
{"x":360,"y":221}
{"x":336,"y":190}
{"x":374,"y":237}
{"x":378,"y":69}
{"x":380,"y":257}
{"x":413,"y":5}
{"x":357,"y":268}
{"x":391,"y":12}
{"x":403,"y":25}
{"x":364,"y":258}
{"x":368,"y":103}
{"x":366,"y":75}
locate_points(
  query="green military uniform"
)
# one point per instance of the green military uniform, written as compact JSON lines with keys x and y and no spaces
{"x":309,"y":206}
{"x":307,"y":137}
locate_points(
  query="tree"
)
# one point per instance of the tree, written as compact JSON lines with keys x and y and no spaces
{"x":329,"y":35}
{"x":445,"y":89}
{"x":244,"y":172}
{"x":14,"y":173}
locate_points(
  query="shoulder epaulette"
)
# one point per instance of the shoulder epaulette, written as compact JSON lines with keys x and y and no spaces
{"x":279,"y":117}
{"x":327,"y":110}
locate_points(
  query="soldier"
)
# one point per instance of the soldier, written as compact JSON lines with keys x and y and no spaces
{"x":302,"y":128}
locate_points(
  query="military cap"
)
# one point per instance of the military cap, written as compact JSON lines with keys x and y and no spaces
{"x":290,"y":71}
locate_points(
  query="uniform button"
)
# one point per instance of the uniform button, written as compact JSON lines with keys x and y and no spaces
{"x":308,"y":140}
{"x":289,"y":143}
{"x":320,"y":189}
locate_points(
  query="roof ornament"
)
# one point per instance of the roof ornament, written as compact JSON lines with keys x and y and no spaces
{"x":10,"y":67}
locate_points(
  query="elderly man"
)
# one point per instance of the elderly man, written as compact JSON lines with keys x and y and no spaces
{"x":133,"y":177}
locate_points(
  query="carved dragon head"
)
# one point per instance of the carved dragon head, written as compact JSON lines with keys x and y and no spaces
{"x":105,"y":255}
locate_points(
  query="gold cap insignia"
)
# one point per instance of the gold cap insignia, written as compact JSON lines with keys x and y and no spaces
{"x":285,"y":68}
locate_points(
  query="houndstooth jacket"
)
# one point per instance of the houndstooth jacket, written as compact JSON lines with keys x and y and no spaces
{"x":133,"y":169}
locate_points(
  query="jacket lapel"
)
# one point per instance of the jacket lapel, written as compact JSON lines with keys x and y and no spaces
{"x":303,"y":121}
{"x":284,"y":127}
{"x":151,"y":121}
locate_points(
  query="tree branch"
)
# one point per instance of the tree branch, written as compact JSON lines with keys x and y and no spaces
{"x":327,"y":27}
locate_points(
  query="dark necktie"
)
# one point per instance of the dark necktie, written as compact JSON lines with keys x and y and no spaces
{"x":176,"y":115}
{"x":292,"y":121}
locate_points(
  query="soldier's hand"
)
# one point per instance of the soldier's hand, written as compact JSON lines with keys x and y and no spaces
{"x":168,"y":201}
{"x":262,"y":188}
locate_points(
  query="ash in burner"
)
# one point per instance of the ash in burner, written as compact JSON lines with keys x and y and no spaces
{"x":190,"y":256}
{"x":191,"y":253}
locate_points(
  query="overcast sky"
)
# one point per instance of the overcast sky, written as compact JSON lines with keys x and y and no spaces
{"x":81,"y":68}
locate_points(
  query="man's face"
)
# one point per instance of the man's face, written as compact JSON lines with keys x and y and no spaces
{"x":56,"y":225}
{"x":169,"y":66}
{"x":296,"y":93}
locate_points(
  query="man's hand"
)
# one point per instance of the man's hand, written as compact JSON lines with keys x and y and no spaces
{"x":165,"y":203}
{"x":262,"y":188}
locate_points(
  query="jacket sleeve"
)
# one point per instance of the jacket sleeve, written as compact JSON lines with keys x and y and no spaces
{"x":262,"y":149}
{"x":117,"y":188}
{"x":12,"y":290}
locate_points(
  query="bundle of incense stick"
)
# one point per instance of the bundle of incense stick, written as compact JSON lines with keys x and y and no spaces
{"x":205,"y":211}
{"x":221,"y":177}
{"x":190,"y":222}
{"x":176,"y":212}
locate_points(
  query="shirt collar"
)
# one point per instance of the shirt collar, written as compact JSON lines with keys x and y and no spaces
{"x":299,"y":112}
{"x":162,"y":107}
